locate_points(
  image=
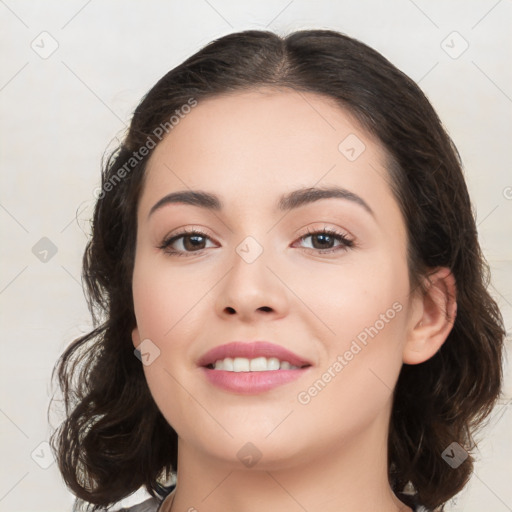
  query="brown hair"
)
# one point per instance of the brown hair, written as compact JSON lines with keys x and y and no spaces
{"x":115,"y":440}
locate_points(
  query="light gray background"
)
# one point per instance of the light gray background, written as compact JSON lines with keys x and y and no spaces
{"x":60,"y":111}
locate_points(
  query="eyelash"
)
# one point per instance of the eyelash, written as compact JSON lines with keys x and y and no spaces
{"x":346,"y":243}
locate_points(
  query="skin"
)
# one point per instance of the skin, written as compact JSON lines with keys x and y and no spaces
{"x":329,"y":454}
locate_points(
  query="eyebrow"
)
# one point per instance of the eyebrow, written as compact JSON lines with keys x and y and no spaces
{"x":287,"y":202}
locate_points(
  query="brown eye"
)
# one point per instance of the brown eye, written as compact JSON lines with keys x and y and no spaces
{"x":185,"y":242}
{"x":323,"y":241}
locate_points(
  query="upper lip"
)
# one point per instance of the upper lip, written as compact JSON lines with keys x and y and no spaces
{"x":251,"y":350}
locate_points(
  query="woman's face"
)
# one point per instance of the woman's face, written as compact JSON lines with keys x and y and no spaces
{"x":263,"y":271}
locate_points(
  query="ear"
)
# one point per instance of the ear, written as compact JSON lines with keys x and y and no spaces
{"x":433,"y":315}
{"x":136,"y":337}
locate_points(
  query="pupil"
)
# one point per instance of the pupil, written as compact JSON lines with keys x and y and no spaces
{"x":193,"y":239}
{"x":326,"y":238}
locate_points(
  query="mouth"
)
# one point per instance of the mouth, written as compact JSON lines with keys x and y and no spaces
{"x":258,"y":364}
{"x":250,"y":368}
{"x":256,"y":356}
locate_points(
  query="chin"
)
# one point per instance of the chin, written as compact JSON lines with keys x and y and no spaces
{"x":257,"y":455}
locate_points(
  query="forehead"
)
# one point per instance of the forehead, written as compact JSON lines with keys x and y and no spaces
{"x":263,"y":142}
{"x":267,"y":117}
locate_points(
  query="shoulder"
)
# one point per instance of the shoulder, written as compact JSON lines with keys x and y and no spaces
{"x":152,"y":505}
{"x":149,"y":505}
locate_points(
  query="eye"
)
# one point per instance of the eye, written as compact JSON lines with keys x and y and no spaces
{"x":323,"y":240}
{"x":190,"y":240}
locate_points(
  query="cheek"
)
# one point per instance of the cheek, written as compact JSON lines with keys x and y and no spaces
{"x":170,"y":311}
{"x":368,"y":315}
{"x":170,"y":307}
{"x":165,"y":300}
{"x":365,"y":309}
{"x":363,"y":295}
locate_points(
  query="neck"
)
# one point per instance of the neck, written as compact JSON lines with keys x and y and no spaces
{"x":350,"y":477}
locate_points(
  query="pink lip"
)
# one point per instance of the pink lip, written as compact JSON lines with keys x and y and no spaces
{"x":250,"y":351}
{"x":249,"y":383}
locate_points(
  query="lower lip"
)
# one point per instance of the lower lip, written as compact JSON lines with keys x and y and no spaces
{"x":251,"y":383}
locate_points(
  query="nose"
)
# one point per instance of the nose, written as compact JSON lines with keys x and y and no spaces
{"x":253,"y":289}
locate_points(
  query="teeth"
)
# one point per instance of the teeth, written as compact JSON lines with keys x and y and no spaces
{"x":258,"y":364}
{"x":240,"y":364}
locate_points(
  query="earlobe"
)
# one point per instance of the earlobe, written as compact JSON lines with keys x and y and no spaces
{"x":136,"y":337}
{"x":438,"y":308}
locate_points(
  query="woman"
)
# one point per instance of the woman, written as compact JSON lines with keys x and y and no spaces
{"x":286,"y":240}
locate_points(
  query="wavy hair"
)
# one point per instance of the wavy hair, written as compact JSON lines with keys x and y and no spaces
{"x":114,"y":438}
